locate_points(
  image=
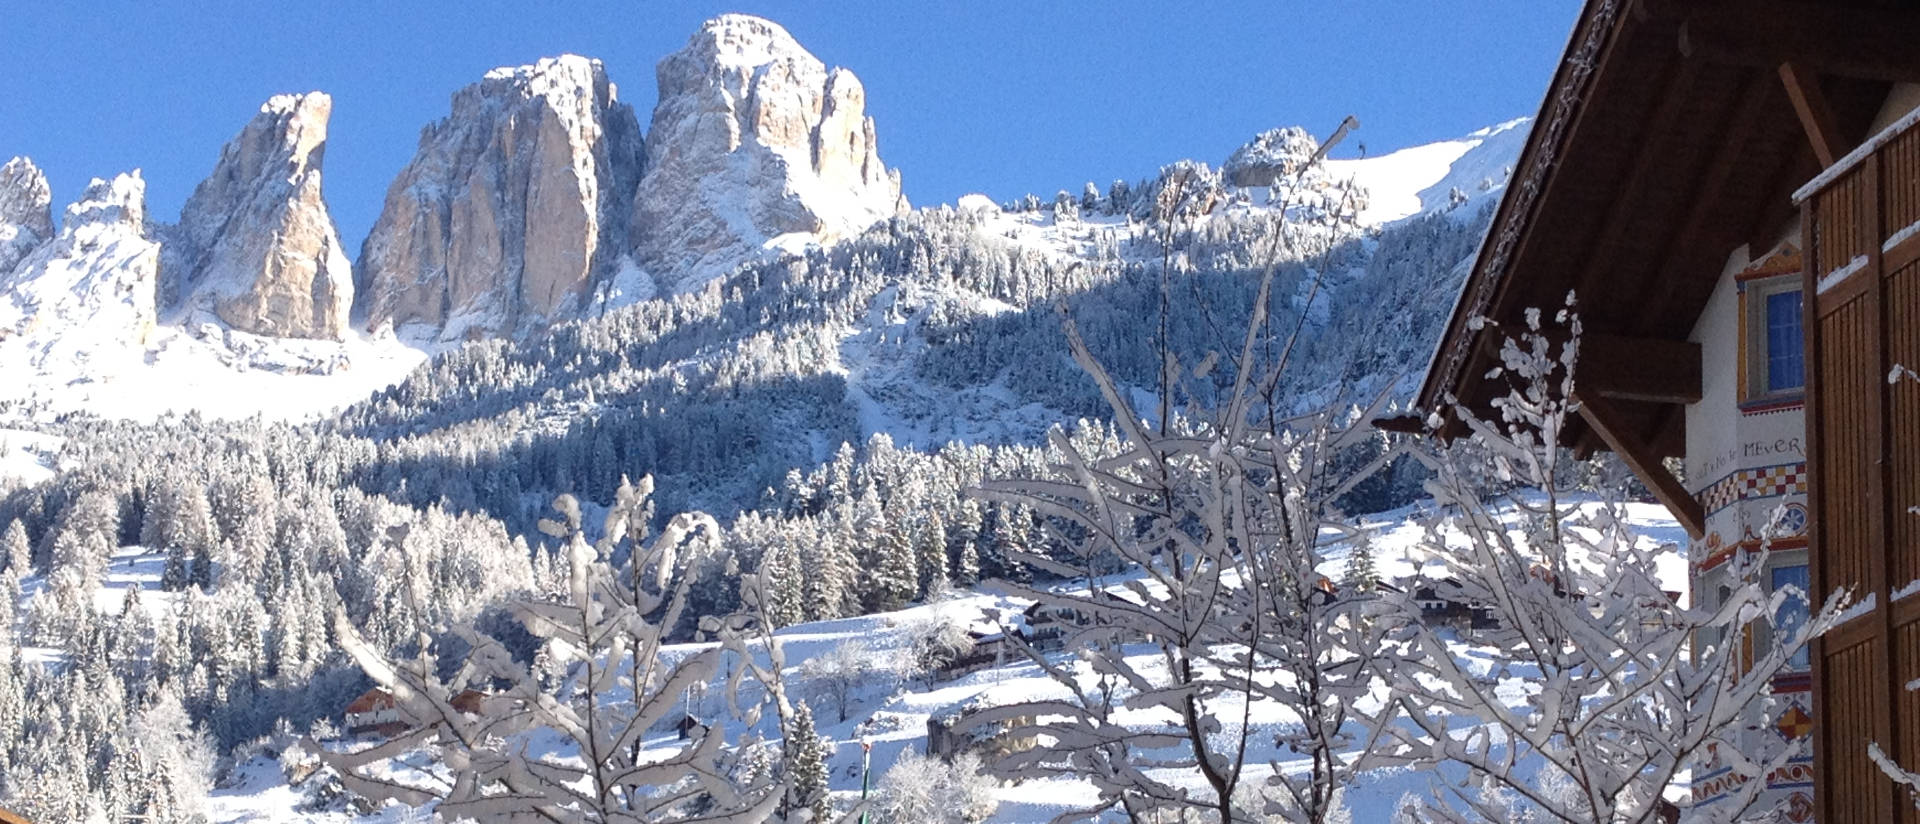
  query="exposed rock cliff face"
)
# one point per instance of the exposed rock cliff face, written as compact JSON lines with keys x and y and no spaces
{"x":26,"y":220}
{"x":92,"y":287}
{"x":753,"y":142}
{"x":255,"y":245}
{"x":513,"y":207}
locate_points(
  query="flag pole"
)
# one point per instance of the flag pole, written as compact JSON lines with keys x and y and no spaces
{"x":866,"y":770}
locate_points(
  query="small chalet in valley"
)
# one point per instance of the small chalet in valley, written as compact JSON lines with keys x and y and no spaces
{"x":374,"y":712}
{"x":1732,"y":189}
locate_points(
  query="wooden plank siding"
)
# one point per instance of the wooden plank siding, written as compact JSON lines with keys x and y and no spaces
{"x":1864,"y":462}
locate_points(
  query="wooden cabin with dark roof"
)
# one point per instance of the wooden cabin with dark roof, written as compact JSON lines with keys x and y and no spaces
{"x":1731,"y":189}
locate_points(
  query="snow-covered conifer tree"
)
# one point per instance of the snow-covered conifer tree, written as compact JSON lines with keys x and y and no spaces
{"x":806,"y":756}
{"x":1361,"y":575}
{"x":15,"y":551}
{"x":1119,"y":198}
{"x":1090,"y":198}
{"x":200,"y":570}
{"x":177,"y":572}
{"x":931,"y":554}
{"x":896,"y":574}
{"x":176,"y":761}
{"x":966,"y":568}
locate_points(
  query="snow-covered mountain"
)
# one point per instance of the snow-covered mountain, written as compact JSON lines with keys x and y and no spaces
{"x":512,"y":210}
{"x":754,"y":144}
{"x":538,"y":201}
{"x":255,"y":246}
{"x":25,"y":217}
{"x":82,"y":302}
{"x":1424,"y":179}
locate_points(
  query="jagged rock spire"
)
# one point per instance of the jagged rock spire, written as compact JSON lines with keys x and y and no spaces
{"x":26,"y":217}
{"x":753,"y":139}
{"x":512,"y":209}
{"x":255,"y":244}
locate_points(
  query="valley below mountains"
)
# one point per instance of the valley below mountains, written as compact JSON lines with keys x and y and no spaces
{"x":238,"y":453}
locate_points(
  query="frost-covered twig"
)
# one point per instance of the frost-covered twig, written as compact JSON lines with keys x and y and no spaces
{"x":1223,"y":526}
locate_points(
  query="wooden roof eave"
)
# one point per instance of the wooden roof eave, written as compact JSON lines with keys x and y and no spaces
{"x":1559,"y":110}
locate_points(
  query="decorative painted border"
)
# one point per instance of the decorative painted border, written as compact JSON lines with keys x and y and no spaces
{"x":1754,"y":484}
{"x":1720,"y":556}
{"x":1770,"y":406}
{"x":1794,"y":775}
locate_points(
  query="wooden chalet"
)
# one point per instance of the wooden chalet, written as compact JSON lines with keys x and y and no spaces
{"x":951,"y":734}
{"x":1732,"y":188}
{"x":374,"y":712}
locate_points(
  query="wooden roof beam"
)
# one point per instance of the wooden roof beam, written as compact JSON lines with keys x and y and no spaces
{"x":1706,"y":210}
{"x":1617,"y":227}
{"x":1638,"y":369}
{"x":1612,"y":427}
{"x":1865,"y":43}
{"x":1816,"y":117}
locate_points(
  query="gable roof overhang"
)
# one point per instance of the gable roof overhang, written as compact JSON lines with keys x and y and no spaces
{"x":1673,"y":132}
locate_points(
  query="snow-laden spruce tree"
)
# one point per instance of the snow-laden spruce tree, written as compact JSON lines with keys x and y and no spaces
{"x":807,"y":755}
{"x":1597,"y":689}
{"x":570,"y":748}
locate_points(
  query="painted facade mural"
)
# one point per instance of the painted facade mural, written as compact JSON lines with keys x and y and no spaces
{"x":1747,"y":465}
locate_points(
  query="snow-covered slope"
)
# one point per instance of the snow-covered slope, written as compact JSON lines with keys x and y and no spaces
{"x":890,"y":709}
{"x":78,"y":332}
{"x":80,"y":314}
{"x":1423,"y":179}
{"x":82,"y":304}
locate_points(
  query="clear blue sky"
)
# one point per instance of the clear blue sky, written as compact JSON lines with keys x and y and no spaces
{"x":1001,"y":98}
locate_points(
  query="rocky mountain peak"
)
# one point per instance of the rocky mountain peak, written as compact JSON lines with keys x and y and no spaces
{"x":1271,"y":156}
{"x":117,"y":205}
{"x":754,"y":142}
{"x":26,"y":216}
{"x":513,"y":208}
{"x":92,"y":288}
{"x":255,"y":244}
